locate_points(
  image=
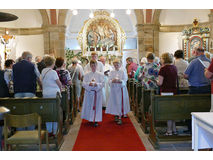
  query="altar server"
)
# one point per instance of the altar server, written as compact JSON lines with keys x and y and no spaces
{"x":118,"y":103}
{"x":106,"y":88}
{"x":99,"y":68}
{"x":92,"y":105}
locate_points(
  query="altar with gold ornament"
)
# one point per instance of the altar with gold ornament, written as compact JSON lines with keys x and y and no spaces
{"x":195,"y":37}
{"x":102,"y":34}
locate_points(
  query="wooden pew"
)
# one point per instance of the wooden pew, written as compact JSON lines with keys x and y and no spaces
{"x":48,"y":108}
{"x":131,"y":85}
{"x":74,"y":102}
{"x":134,"y":93}
{"x":144,"y":108}
{"x":145,"y":104}
{"x":138,"y":101}
{"x":65,"y":107}
{"x":178,"y":107}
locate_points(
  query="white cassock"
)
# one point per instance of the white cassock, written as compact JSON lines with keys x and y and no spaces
{"x":106,"y":88}
{"x":92,"y":104}
{"x":99,"y":68}
{"x":118,"y":102}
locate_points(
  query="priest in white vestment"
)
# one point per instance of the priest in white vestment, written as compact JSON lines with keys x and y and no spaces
{"x":106,"y":89}
{"x":118,"y":103}
{"x":92,"y":105}
{"x":100,"y":67}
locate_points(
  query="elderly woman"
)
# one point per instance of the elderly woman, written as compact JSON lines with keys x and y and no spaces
{"x":181,"y":65}
{"x":167,"y":78}
{"x":75,"y":73}
{"x":149,"y":72}
{"x":51,"y":85}
{"x":143,"y":62}
{"x":131,"y":68}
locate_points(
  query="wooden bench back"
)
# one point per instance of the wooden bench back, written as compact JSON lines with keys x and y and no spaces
{"x":179,"y":107}
{"x":47,"y":108}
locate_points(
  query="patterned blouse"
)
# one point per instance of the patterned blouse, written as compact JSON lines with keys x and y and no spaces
{"x":148,"y":75}
{"x":64,"y":76}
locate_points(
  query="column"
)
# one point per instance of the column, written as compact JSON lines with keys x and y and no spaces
{"x":54,"y":38}
{"x":148,"y":39}
{"x":211,"y":30}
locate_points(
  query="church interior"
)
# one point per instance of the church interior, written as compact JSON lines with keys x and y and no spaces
{"x":121,"y":36}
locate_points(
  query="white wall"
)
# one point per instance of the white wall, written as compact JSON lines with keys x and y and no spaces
{"x":169,"y":42}
{"x":27,"y":18}
{"x":183,"y":16}
{"x":32,"y":43}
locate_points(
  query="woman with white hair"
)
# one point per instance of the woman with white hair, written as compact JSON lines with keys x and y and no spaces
{"x":143,"y":62}
{"x":75,"y":74}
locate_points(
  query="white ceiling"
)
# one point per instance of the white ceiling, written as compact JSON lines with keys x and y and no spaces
{"x":75,"y":22}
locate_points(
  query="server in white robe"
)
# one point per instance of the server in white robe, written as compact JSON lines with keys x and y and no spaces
{"x":92,"y":105}
{"x":99,"y":68}
{"x":106,"y":88}
{"x":118,"y":102}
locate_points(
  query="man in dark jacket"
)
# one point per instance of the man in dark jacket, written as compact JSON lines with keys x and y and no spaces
{"x":25,"y":75}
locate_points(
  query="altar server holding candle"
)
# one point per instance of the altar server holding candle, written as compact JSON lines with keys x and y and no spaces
{"x":118,"y":102}
{"x":92,"y":105}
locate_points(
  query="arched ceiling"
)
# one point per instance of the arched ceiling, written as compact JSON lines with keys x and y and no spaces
{"x":27,"y":18}
{"x":182,"y":16}
{"x":74,"y":23}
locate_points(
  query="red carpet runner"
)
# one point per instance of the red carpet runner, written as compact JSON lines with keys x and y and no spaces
{"x":108,"y":136}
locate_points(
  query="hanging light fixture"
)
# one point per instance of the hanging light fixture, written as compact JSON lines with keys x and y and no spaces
{"x":112,"y":15}
{"x":91,"y":15}
{"x":74,"y":11}
{"x":128,"y":11}
{"x":5,"y":17}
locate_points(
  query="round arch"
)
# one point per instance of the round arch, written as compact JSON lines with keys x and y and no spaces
{"x":139,"y":16}
{"x":44,"y":15}
{"x":64,"y":13}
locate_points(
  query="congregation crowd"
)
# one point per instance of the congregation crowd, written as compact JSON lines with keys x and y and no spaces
{"x":104,"y":84}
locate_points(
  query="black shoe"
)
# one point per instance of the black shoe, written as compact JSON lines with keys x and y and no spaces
{"x":119,"y":122}
{"x":104,"y":108}
{"x":78,"y":110}
{"x":116,"y":118}
{"x":96,"y":124}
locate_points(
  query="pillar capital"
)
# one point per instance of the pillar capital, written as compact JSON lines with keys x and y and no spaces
{"x":211,"y":17}
{"x":54,"y":28}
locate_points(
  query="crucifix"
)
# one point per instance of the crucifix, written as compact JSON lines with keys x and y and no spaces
{"x":5,"y":39}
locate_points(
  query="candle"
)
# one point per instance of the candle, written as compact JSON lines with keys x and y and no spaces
{"x":101,"y":49}
{"x":114,"y":48}
{"x":107,"y":48}
{"x":89,"y":48}
{"x":95,"y":48}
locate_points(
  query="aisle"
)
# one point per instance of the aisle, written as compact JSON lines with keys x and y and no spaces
{"x":108,"y":136}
